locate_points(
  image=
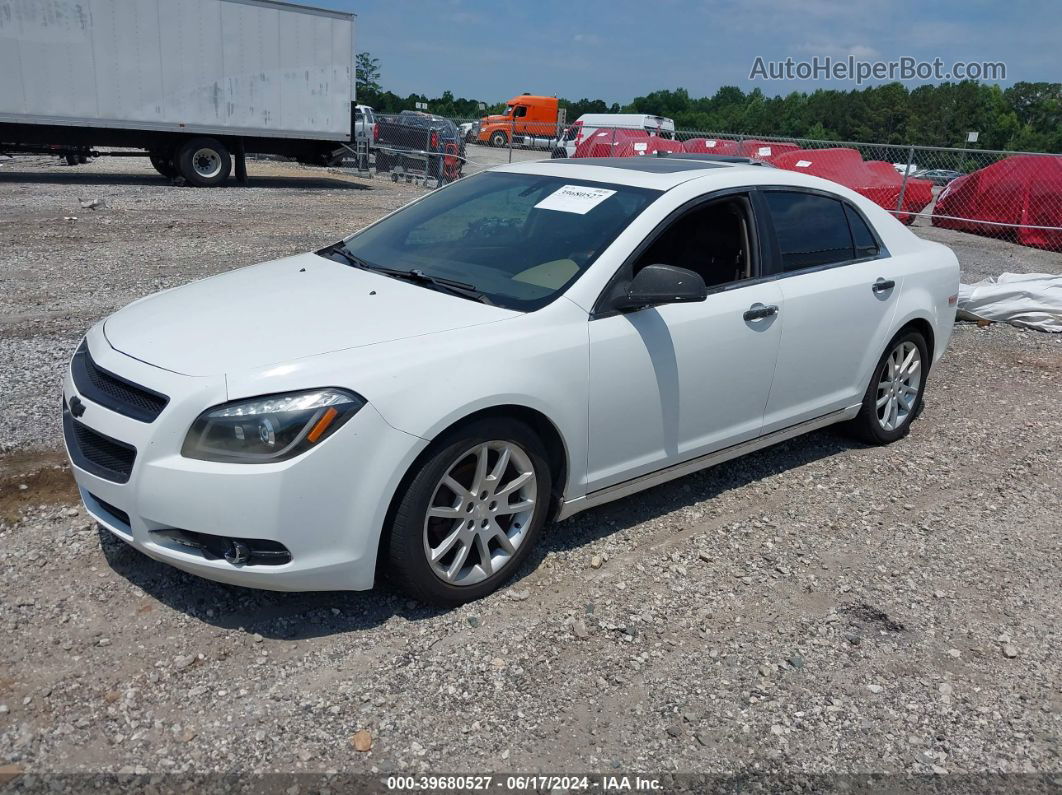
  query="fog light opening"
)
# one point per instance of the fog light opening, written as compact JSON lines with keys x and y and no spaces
{"x":238,"y":553}
{"x":234,"y":551}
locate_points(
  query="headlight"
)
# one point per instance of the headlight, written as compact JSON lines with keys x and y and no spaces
{"x":271,"y":428}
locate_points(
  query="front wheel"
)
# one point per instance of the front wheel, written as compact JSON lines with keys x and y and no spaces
{"x":894,"y":397}
{"x":498,"y":139}
{"x":471,"y":513}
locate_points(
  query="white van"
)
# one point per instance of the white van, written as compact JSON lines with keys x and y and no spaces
{"x":589,"y":123}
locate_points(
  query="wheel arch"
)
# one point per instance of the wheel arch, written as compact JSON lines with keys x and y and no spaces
{"x":546,"y":430}
{"x":924,"y":327}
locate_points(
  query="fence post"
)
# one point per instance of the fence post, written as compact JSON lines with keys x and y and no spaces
{"x":612,"y":148}
{"x":512,"y":134}
{"x":427,"y":158}
{"x":903,"y":185}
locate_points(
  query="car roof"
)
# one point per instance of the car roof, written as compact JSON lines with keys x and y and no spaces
{"x":659,"y":173}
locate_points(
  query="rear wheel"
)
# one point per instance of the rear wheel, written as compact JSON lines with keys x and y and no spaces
{"x":163,"y":164}
{"x":558,"y":153}
{"x":204,"y":162}
{"x":471,"y":513}
{"x":894,"y":396}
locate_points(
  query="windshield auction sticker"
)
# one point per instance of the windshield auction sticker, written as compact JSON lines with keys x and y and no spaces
{"x":574,"y":199}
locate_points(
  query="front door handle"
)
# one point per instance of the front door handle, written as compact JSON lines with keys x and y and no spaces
{"x":881,"y":285}
{"x":759,"y":311}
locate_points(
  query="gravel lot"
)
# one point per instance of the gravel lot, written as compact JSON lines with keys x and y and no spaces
{"x":817,"y":607}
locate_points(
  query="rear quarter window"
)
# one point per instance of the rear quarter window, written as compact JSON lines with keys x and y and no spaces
{"x":811,"y":230}
{"x":866,"y":245}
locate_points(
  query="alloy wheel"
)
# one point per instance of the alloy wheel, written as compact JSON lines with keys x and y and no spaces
{"x":899,"y":385}
{"x":480,"y":512}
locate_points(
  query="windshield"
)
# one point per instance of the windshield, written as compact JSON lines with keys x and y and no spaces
{"x":519,"y":239}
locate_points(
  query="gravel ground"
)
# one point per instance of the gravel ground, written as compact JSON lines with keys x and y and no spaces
{"x":817,"y":607}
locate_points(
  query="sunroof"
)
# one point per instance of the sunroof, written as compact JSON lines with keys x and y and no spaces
{"x":652,"y":165}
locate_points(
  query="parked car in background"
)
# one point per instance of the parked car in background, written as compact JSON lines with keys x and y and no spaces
{"x":519,"y":346}
{"x":590,"y":123}
{"x":468,"y":130}
{"x":364,"y":127}
{"x":420,"y":143}
{"x":908,"y":168}
{"x":938,"y":176}
{"x":364,"y":119}
{"x":525,"y":115}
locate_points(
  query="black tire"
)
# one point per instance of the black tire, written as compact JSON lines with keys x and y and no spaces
{"x":407,"y":560}
{"x":163,"y":164}
{"x":203,"y":162}
{"x":71,"y":159}
{"x":558,"y":153}
{"x":867,"y":425}
{"x":499,"y":138}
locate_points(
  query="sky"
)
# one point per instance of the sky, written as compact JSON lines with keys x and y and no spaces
{"x":618,"y":49}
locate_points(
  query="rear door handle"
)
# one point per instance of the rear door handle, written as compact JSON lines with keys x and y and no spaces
{"x":881,"y":285}
{"x":758,"y":312}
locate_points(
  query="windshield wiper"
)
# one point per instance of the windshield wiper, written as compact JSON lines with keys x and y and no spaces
{"x":414,"y":275}
{"x":340,"y":249}
{"x":453,"y":286}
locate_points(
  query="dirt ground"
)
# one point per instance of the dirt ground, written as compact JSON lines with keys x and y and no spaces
{"x":820,"y":606}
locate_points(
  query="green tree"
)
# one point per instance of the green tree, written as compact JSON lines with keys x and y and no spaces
{"x":366,"y":77}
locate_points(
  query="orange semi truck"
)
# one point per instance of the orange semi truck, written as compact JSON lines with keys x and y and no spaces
{"x":525,"y":117}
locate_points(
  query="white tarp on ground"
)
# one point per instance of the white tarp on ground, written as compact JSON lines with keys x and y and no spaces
{"x":1030,"y":300}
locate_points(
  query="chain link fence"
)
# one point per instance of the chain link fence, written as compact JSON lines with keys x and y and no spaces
{"x":1015,"y":196}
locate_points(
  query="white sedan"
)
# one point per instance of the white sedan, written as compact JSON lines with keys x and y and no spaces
{"x":424,"y":396}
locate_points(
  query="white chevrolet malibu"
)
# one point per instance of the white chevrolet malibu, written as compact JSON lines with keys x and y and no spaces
{"x":422,"y":397}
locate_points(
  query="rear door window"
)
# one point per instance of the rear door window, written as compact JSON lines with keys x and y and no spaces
{"x":811,"y":230}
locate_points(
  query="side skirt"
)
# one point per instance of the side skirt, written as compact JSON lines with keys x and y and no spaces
{"x":647,"y":481}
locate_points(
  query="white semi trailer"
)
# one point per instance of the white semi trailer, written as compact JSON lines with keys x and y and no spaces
{"x":194,"y":84}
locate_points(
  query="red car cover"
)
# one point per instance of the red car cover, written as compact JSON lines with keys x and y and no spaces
{"x":607,"y":142}
{"x":766,"y":150}
{"x":875,"y":179}
{"x":750,"y":147}
{"x":651,"y":147}
{"x":712,"y":146}
{"x":1024,"y":189}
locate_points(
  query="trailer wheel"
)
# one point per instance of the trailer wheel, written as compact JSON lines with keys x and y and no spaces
{"x":164,"y":165}
{"x":204,"y":162}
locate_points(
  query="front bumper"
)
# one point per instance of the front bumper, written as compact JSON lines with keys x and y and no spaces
{"x":326,"y":507}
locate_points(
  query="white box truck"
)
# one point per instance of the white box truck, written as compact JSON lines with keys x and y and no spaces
{"x":192,"y":83}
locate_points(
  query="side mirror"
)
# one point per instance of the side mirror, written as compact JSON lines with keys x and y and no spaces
{"x":661,"y":284}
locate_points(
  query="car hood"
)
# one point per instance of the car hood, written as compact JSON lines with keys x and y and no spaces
{"x":283,"y":310}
